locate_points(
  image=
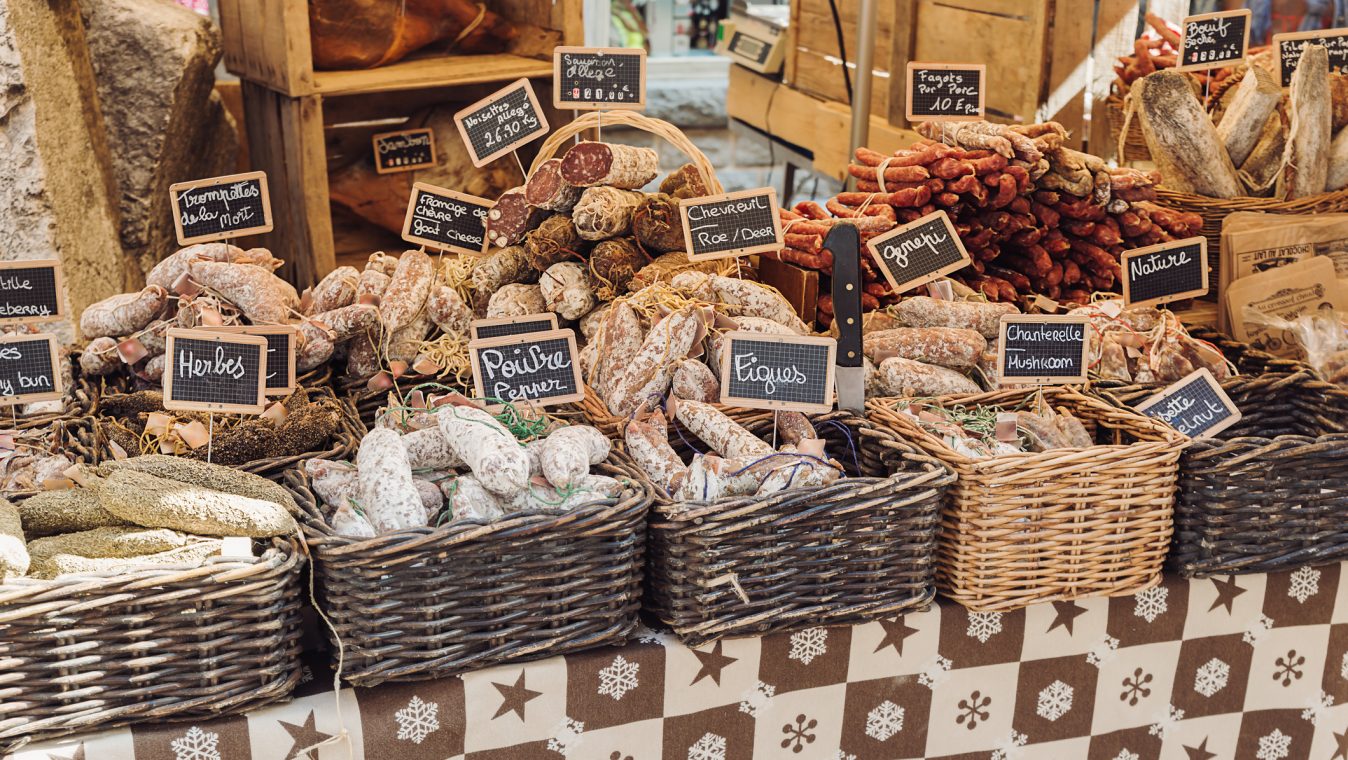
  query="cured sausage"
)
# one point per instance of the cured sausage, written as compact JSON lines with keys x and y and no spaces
{"x":588,"y":164}
{"x":512,"y":218}
{"x":546,"y":189}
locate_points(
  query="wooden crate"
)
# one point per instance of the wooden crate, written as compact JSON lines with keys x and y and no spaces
{"x":267,"y":41}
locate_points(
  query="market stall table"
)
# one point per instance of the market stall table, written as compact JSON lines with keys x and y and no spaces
{"x":1232,"y":667}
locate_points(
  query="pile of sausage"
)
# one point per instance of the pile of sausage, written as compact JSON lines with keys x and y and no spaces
{"x":1156,"y":51}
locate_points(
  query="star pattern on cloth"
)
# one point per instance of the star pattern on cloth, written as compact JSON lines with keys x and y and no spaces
{"x":79,"y":754}
{"x":514,"y":698}
{"x":1066,"y":613}
{"x":1200,"y":752}
{"x":1341,"y":739}
{"x":1227,"y":591}
{"x":713,"y":663}
{"x":304,"y":735}
{"x":896,"y":631}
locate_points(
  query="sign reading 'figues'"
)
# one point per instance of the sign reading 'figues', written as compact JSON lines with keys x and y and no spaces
{"x":1041,"y":349}
{"x":778,"y":372}
{"x":28,"y":369}
{"x":215,"y":372}
{"x":735,"y":224}
{"x":1196,"y":406}
{"x":221,"y":207}
{"x":539,"y":368}
{"x":30,"y":291}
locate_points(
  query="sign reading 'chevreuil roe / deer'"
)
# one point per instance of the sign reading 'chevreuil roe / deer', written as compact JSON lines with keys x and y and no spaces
{"x":218,"y":208}
{"x":734,"y":224}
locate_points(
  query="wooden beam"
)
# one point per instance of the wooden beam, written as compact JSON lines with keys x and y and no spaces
{"x":1115,"y":30}
{"x":901,"y":47}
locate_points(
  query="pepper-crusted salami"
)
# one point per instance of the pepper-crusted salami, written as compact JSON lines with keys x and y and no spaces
{"x":657,"y":225}
{"x":588,"y":164}
{"x":516,"y":300}
{"x":497,"y":460}
{"x":387,"y":494}
{"x":123,"y":313}
{"x":407,"y":290}
{"x":567,"y":290}
{"x":511,"y":218}
{"x":547,"y":189}
{"x":952,"y":347}
{"x":554,"y":240}
{"x":615,"y":262}
{"x":605,"y":212}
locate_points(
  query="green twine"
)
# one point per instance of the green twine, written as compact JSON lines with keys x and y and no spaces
{"x":448,"y":513}
{"x":524,"y":428}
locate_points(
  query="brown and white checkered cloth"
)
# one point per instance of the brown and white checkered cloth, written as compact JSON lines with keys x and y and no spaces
{"x":1245,"y":667}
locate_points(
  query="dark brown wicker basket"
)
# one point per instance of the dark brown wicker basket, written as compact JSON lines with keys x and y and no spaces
{"x":72,"y":437}
{"x":79,"y":401}
{"x":87,"y":652}
{"x":1270,"y":492}
{"x":855,"y":550}
{"x":435,"y":601}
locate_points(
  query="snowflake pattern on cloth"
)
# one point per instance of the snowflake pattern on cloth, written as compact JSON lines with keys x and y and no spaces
{"x":756,"y":700}
{"x":808,"y":644}
{"x":884,"y":721}
{"x":1318,"y":708}
{"x":1211,"y":677}
{"x":709,"y":747}
{"x":1011,"y":750}
{"x":1055,"y":701}
{"x":1124,"y":754}
{"x":984,"y":625}
{"x":1304,"y":584}
{"x":566,"y":737}
{"x":1274,"y":746}
{"x":618,"y":678}
{"x":1257,"y":630}
{"x":934,"y":673}
{"x":196,"y":745}
{"x":844,"y":756}
{"x":1151,"y":604}
{"x":1103,"y":652}
{"x":418,"y":720}
{"x":1165,"y":722}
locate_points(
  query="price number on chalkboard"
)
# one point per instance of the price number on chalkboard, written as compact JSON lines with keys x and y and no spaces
{"x":444,"y":219}
{"x":221,"y":207}
{"x":593,"y":78}
{"x":735,"y":224}
{"x":486,"y":329}
{"x":919,"y":252}
{"x":1195,"y":406}
{"x":212,"y":371}
{"x":1289,"y":46}
{"x":1165,"y":272}
{"x":778,"y":372}
{"x":501,"y":122}
{"x":1214,"y":40}
{"x":29,"y":369}
{"x":1042,"y":349}
{"x":535,"y":368}
{"x":946,"y":92}
{"x":30,"y":291}
{"x":403,"y":151}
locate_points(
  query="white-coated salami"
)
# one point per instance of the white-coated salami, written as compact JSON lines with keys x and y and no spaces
{"x":516,"y":300}
{"x":567,"y":290}
{"x":336,"y":290}
{"x":567,"y":453}
{"x":724,"y":435}
{"x":427,"y":449}
{"x":407,"y":291}
{"x":387,"y":494}
{"x":123,"y":313}
{"x":496,"y":458}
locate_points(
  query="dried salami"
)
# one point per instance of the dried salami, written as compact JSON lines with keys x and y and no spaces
{"x":685,"y":182}
{"x":547,"y":189}
{"x":615,"y":262}
{"x":554,"y":240}
{"x":511,"y":218}
{"x":605,"y":212}
{"x":588,"y":164}
{"x":657,"y":225}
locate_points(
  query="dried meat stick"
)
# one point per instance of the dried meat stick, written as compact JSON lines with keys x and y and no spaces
{"x":892,"y":173}
{"x":811,"y":210}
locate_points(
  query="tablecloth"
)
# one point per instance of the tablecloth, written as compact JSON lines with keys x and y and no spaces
{"x":1246,"y":667}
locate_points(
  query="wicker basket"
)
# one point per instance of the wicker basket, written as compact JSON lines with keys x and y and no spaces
{"x":87,"y":652}
{"x":1132,"y":146}
{"x":1030,"y":528}
{"x":855,"y":550}
{"x":564,"y":134}
{"x":1270,"y":492}
{"x":435,"y":601}
{"x":71,"y":437}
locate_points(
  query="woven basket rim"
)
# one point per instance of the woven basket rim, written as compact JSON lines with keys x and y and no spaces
{"x":1203,"y":203}
{"x":662,"y":129}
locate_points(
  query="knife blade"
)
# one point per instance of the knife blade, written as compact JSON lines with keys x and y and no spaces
{"x":844,"y":243}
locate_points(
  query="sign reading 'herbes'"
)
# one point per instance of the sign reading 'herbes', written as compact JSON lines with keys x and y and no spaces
{"x":213,"y":371}
{"x":221,"y":207}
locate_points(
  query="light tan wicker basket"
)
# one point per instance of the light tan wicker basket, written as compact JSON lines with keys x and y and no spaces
{"x":662,"y":129}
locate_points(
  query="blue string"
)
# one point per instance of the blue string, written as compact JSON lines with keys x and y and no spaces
{"x":851,"y":445}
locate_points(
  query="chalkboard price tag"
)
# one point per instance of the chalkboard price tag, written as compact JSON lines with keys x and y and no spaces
{"x":919,"y":252}
{"x":403,"y":151}
{"x":1288,"y":47}
{"x":281,"y":350}
{"x":1214,"y":40}
{"x":1042,"y":349}
{"x":1195,"y":406}
{"x":212,"y":371}
{"x":444,"y":219}
{"x":538,"y":368}
{"x":588,"y":79}
{"x":778,"y":372}
{"x":735,"y":224}
{"x":29,"y":369}
{"x":221,"y":207}
{"x":501,"y":122}
{"x":1165,"y":272}
{"x":487,"y":329}
{"x":946,"y":91}
{"x":30,"y":291}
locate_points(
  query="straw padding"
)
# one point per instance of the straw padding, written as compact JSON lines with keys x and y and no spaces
{"x":93,"y":651}
{"x":431,"y":602}
{"x":855,"y":550}
{"x":598,"y":120}
{"x":1028,"y":528}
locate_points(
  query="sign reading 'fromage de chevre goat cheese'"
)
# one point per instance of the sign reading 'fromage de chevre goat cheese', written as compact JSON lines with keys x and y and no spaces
{"x":212,"y":371}
{"x":539,"y":368}
{"x":444,"y":219}
{"x":30,"y":291}
{"x":1196,"y":406}
{"x":29,"y":369}
{"x":1041,"y":349}
{"x":1165,"y":272}
{"x":403,"y":151}
{"x":735,"y":224}
{"x":779,"y":372}
{"x":221,"y":207}
{"x":919,"y":252}
{"x":501,"y":122}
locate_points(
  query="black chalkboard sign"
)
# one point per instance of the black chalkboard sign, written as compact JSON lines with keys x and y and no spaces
{"x":31,"y":291}
{"x":280,"y":354}
{"x":441,"y":218}
{"x":540,"y":368}
{"x":750,"y":48}
{"x":735,"y":224}
{"x":1041,"y":349}
{"x":501,"y":122}
{"x":1289,"y":48}
{"x":594,"y":78}
{"x":1165,"y":272}
{"x":946,"y":91}
{"x":403,"y":151}
{"x":1196,"y":406}
{"x":778,"y":372}
{"x":486,"y":329}
{"x":29,"y":369}
{"x":221,"y":207}
{"x":919,"y":252}
{"x":1214,"y":40}
{"x":211,"y":371}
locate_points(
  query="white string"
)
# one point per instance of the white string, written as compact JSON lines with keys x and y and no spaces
{"x":880,"y":173}
{"x":342,"y":734}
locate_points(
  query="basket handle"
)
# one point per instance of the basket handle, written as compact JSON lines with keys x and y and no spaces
{"x":657,"y":127}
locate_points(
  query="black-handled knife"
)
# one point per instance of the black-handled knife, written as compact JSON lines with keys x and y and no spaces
{"x":845,"y":245}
